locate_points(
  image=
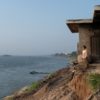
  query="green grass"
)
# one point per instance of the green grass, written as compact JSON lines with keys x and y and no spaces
{"x":32,"y":87}
{"x":94,"y":80}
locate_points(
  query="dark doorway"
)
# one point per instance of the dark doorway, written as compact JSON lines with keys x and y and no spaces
{"x":95,"y":48}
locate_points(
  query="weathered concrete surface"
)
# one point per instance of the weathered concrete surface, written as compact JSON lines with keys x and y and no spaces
{"x":89,"y":34}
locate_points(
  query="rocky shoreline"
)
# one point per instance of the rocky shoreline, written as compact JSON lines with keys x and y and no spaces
{"x":69,"y":83}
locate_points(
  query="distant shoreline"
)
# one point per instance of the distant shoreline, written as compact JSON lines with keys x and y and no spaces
{"x":6,"y":55}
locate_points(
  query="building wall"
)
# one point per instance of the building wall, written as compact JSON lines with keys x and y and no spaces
{"x":85,"y":33}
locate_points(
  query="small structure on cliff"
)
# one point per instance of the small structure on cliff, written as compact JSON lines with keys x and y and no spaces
{"x":89,"y":34}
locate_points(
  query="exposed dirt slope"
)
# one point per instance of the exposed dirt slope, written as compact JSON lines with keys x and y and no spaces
{"x":65,"y":84}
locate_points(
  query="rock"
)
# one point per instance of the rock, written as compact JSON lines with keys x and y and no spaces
{"x":72,"y":96}
{"x":95,"y":96}
{"x":22,"y":91}
{"x":35,"y":72}
{"x":9,"y":97}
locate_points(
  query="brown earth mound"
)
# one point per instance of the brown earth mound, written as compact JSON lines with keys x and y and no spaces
{"x":65,"y":84}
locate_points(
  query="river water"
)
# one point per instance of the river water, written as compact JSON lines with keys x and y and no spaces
{"x":15,"y":70}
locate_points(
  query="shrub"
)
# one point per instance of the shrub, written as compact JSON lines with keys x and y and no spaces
{"x":94,"y":80}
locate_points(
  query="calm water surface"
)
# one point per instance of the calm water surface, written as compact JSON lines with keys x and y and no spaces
{"x":15,"y":70}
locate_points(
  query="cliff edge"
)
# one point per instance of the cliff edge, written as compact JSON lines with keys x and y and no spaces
{"x":70,"y":83}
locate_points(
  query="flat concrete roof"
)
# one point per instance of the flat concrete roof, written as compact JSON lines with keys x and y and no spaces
{"x":73,"y":24}
{"x":97,"y":7}
{"x":80,"y":21}
{"x":96,"y":17}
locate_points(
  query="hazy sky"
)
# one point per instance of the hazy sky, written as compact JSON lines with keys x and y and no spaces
{"x":37,"y":27}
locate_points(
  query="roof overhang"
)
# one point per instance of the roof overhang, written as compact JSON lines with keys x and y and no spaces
{"x":74,"y":24}
{"x":96,"y":16}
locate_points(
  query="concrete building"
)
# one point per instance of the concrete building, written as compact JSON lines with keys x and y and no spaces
{"x":89,"y":34}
